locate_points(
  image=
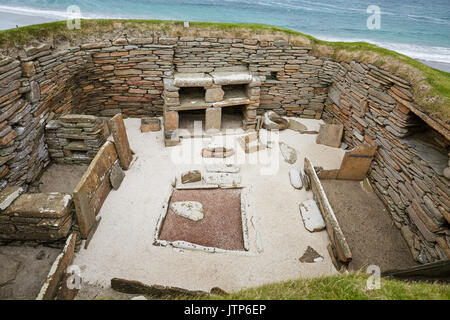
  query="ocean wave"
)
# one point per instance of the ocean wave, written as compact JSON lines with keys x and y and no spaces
{"x":427,"y":53}
{"x":60,"y":14}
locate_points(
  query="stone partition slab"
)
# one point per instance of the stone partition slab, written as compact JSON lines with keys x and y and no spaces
{"x":59,"y":268}
{"x":94,"y":187}
{"x":121,"y":142}
{"x":339,"y":245}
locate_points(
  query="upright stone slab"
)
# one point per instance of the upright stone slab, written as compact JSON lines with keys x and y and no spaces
{"x":94,"y":187}
{"x":121,"y":141}
{"x":8,"y":195}
{"x":330,"y":135}
{"x":213,"y":119}
{"x":356,"y":163}
{"x":59,"y":267}
{"x":214,"y":94}
{"x":171,"y":120}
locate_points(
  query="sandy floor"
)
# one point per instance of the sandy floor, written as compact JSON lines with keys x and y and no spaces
{"x":61,"y":178}
{"x":122,"y":246}
{"x":23,"y":270}
{"x":370,"y":232}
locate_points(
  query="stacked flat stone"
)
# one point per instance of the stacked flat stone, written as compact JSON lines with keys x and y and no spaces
{"x":215,"y":96}
{"x":39,"y":217}
{"x":104,"y":77}
{"x":75,"y":139}
{"x":408,"y":170}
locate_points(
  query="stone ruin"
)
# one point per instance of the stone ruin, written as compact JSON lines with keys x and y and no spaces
{"x":53,"y":100}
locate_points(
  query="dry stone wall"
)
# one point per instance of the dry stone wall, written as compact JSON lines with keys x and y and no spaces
{"x":408,"y":170}
{"x":102,"y":78}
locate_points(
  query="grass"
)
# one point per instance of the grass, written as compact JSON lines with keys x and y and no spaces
{"x":343,"y":287}
{"x":431,"y":87}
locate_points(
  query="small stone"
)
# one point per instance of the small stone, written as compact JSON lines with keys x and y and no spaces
{"x":116,"y":176}
{"x":218,"y":291}
{"x":311,"y":256}
{"x":447,"y":173}
{"x":191,"y":176}
{"x":41,"y":255}
{"x":296,"y":181}
{"x":139,"y":298}
{"x":289,"y":153}
{"x":217,"y":152}
{"x":150,"y":124}
{"x":191,"y":210}
{"x":312,"y":218}
{"x":297,"y":126}
{"x":226,"y":168}
{"x":222,"y":179}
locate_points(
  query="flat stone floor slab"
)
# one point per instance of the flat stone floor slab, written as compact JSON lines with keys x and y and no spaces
{"x":122,"y":246}
{"x":22,"y":274}
{"x":367,"y":226}
{"x":61,"y":178}
{"x":221,"y":226}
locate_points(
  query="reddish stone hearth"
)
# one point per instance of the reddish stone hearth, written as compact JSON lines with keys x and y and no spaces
{"x":221,"y":227}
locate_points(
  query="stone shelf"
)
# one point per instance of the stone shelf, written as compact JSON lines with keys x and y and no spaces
{"x":228,"y":78}
{"x":192,"y":80}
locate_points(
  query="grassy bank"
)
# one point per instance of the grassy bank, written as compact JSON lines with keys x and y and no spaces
{"x":344,"y":287}
{"x":431,"y":87}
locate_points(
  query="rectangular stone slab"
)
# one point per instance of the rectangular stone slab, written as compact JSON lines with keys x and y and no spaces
{"x":121,"y":141}
{"x":8,"y":195}
{"x":40,"y":205}
{"x":338,"y":241}
{"x":227,"y":78}
{"x":330,"y":135}
{"x":312,"y":218}
{"x":62,"y":262}
{"x":92,"y":190}
{"x":192,"y":80}
{"x":356,"y":163}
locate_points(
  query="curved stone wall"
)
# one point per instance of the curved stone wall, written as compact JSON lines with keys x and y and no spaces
{"x":41,"y":83}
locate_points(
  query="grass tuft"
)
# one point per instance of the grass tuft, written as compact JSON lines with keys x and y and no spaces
{"x":343,"y":287}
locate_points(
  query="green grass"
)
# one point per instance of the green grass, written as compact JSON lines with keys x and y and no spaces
{"x":431,"y":87}
{"x":343,"y":287}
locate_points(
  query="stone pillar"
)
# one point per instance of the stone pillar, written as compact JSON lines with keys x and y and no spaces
{"x":214,"y":94}
{"x":250,"y":117}
{"x":171,"y":120}
{"x":213,"y":119}
{"x":171,"y":123}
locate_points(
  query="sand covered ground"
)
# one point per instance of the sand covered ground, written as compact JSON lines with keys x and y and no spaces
{"x":122,"y":246}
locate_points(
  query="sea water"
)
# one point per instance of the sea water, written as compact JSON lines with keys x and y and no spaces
{"x":417,"y":28}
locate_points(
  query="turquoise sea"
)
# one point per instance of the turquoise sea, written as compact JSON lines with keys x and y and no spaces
{"x":417,"y":28}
